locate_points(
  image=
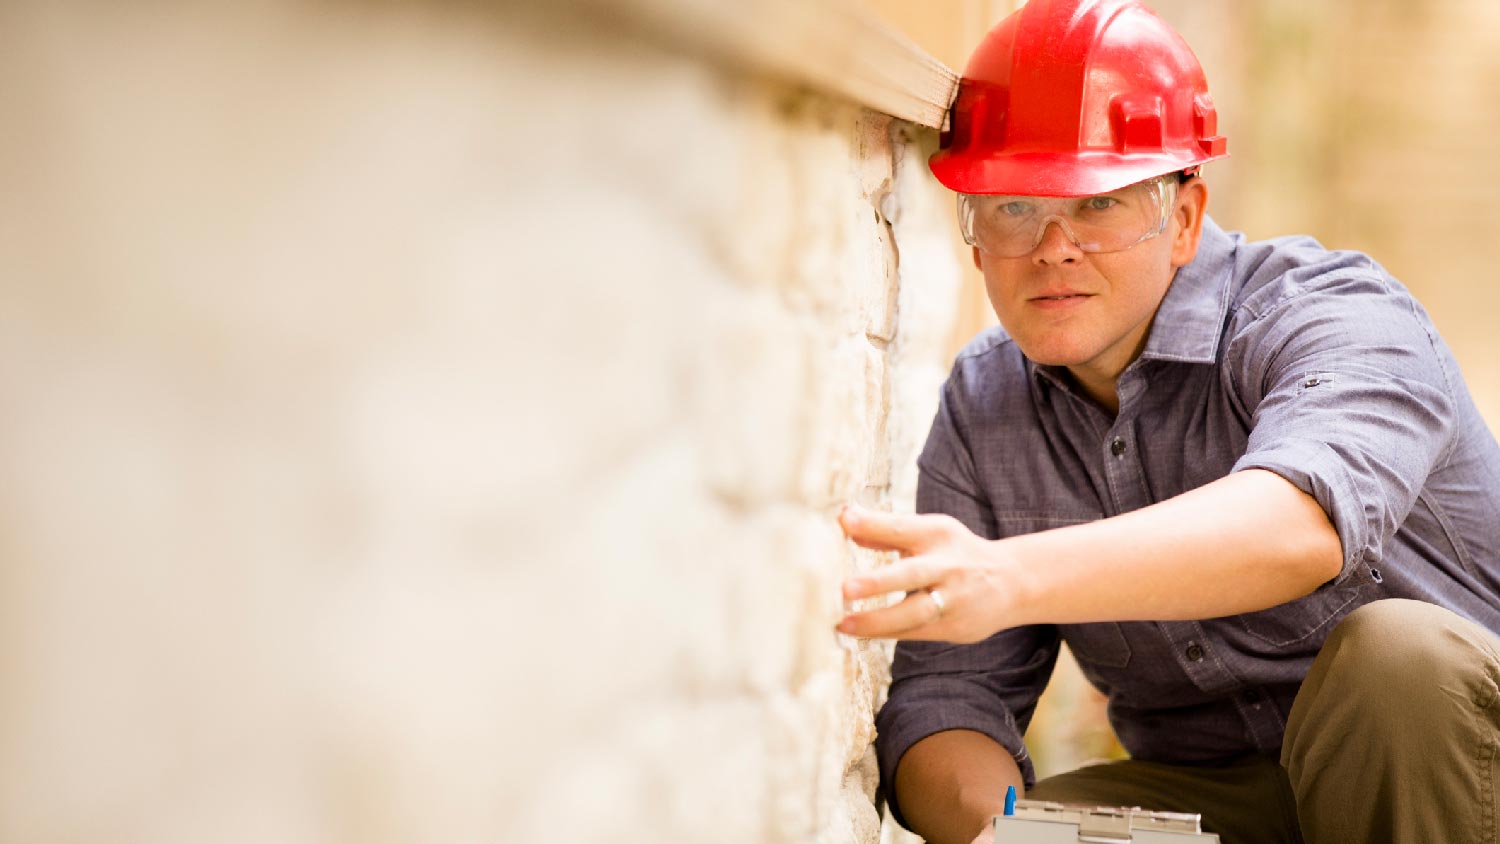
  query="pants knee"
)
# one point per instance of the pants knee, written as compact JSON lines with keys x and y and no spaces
{"x":1393,"y":639}
{"x":1401,"y":701}
{"x":1393,"y":658}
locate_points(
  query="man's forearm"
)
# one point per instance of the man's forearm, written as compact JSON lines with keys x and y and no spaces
{"x":949,"y":785}
{"x":1243,"y":543}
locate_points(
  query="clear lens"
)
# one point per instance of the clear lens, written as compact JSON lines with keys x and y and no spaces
{"x":1013,"y":226}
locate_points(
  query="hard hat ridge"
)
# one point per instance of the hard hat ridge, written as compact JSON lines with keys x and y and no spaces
{"x":1074,"y":97}
{"x":1043,"y":36}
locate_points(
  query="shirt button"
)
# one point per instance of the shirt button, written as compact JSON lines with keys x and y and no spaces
{"x":1117,"y":447}
{"x":1194,"y":652}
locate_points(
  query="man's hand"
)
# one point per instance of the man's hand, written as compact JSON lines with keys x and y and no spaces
{"x":956,"y":581}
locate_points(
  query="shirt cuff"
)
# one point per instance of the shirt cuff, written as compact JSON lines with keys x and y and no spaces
{"x":923,"y":706}
{"x":1313,"y":467}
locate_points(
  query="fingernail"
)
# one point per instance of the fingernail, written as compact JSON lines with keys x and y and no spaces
{"x":850,"y":514}
{"x":854,"y":589}
{"x":846,"y":626}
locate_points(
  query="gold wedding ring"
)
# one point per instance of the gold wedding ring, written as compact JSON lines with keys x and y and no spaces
{"x":937,"y":601}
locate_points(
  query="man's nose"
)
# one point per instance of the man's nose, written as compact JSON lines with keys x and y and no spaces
{"x":1056,"y":244}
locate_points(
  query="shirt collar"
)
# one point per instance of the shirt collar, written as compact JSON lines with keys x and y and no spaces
{"x":1190,"y":322}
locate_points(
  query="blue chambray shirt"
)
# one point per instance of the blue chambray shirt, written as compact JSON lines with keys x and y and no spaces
{"x":1278,"y":355}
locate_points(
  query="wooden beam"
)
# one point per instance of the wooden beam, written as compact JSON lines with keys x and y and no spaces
{"x":839,"y":47}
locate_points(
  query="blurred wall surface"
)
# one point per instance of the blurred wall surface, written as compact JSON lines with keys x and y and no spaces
{"x":427,"y":422}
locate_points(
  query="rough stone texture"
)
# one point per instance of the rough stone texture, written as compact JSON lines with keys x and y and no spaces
{"x":427,"y":423}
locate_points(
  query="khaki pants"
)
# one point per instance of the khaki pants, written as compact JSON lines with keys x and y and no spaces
{"x":1393,"y":737}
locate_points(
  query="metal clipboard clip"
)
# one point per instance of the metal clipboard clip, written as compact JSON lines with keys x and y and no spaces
{"x":1040,"y":822}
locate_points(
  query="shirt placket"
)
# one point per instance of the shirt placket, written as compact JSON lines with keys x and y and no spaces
{"x":1196,"y":654}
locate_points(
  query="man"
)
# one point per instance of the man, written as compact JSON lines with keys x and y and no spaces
{"x":1243,"y":481}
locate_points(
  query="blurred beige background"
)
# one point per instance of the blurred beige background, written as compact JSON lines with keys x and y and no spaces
{"x":426,"y":421}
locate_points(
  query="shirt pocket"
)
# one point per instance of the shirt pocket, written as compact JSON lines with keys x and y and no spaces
{"x":1100,"y":644}
{"x":1296,"y":621}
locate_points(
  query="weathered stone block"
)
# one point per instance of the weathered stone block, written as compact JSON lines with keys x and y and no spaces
{"x":826,"y":208}
{"x":929,"y":273}
{"x":878,"y":398}
{"x":915,"y":392}
{"x":749,"y":386}
{"x":842,"y":414}
{"x":854,"y":817}
{"x":871,"y":270}
{"x":757,"y":235}
{"x":874,"y":154}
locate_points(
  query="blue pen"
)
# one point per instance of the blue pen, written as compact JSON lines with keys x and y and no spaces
{"x":1010,"y":800}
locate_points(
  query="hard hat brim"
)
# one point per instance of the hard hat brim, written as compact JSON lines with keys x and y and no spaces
{"x":1054,"y":174}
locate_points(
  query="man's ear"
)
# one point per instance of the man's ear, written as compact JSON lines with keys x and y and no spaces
{"x":977,"y":265}
{"x":1192,"y":203}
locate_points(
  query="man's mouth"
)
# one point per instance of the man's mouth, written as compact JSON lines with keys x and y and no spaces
{"x":1060,"y":300}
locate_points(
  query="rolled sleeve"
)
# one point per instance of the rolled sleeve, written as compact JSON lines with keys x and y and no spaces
{"x":1352,"y":403}
{"x":990,"y":687}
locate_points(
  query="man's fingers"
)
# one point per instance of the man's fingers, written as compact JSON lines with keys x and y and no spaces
{"x":905,"y":620}
{"x":905,"y":576}
{"x":915,"y":537}
{"x":887,"y":531}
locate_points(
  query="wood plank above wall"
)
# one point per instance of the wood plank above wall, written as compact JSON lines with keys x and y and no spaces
{"x":839,"y":47}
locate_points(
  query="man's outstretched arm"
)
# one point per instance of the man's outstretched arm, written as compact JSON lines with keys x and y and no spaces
{"x":1241,"y":544}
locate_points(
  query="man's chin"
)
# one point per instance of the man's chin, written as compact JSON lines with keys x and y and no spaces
{"x":1052,"y":348}
{"x":1054,"y":357}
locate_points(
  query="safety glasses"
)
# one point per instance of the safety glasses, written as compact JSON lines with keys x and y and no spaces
{"x":1013,"y":226}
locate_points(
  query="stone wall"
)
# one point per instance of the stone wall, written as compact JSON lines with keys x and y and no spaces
{"x":427,"y":423}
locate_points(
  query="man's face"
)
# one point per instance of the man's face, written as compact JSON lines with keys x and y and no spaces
{"x":1091,"y":312}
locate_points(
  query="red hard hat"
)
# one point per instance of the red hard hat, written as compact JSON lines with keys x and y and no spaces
{"x":1077,"y":97}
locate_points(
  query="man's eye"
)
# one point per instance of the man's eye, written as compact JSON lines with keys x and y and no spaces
{"x":1014,"y":208}
{"x":1101,"y":203}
